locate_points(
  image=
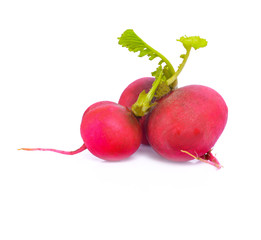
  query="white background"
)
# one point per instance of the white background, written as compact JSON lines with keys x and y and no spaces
{"x":59,"y":57}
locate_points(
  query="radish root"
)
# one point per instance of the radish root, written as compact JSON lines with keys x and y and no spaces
{"x":206,"y":158}
{"x":82,"y":148}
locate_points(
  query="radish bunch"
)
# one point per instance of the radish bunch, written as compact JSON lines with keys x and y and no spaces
{"x":180,"y":124}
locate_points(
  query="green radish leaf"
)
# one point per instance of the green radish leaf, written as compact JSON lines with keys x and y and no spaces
{"x":195,"y":41}
{"x":134,"y":43}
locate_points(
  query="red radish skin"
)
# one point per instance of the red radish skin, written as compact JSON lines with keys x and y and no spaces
{"x":130,"y":95}
{"x":109,"y":131}
{"x":97,"y":104}
{"x":187,"y":123}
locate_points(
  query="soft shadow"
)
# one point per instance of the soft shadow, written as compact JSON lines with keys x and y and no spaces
{"x":143,"y":151}
{"x":147,"y":151}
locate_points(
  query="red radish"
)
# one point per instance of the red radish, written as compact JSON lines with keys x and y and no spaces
{"x":178,"y":128}
{"x":187,"y":123}
{"x":109,"y":131}
{"x":130,"y":95}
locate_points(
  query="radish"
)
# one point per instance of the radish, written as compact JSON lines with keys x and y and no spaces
{"x":130,"y":95}
{"x":109,"y":131}
{"x":187,"y":123}
{"x":180,"y":123}
{"x":183,"y":123}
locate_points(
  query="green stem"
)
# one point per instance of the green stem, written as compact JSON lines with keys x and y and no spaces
{"x":170,"y":67}
{"x":181,"y":66}
{"x":143,"y":104}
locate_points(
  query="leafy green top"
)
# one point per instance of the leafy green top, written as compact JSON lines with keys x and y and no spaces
{"x":165,"y":77}
{"x":134,"y":43}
